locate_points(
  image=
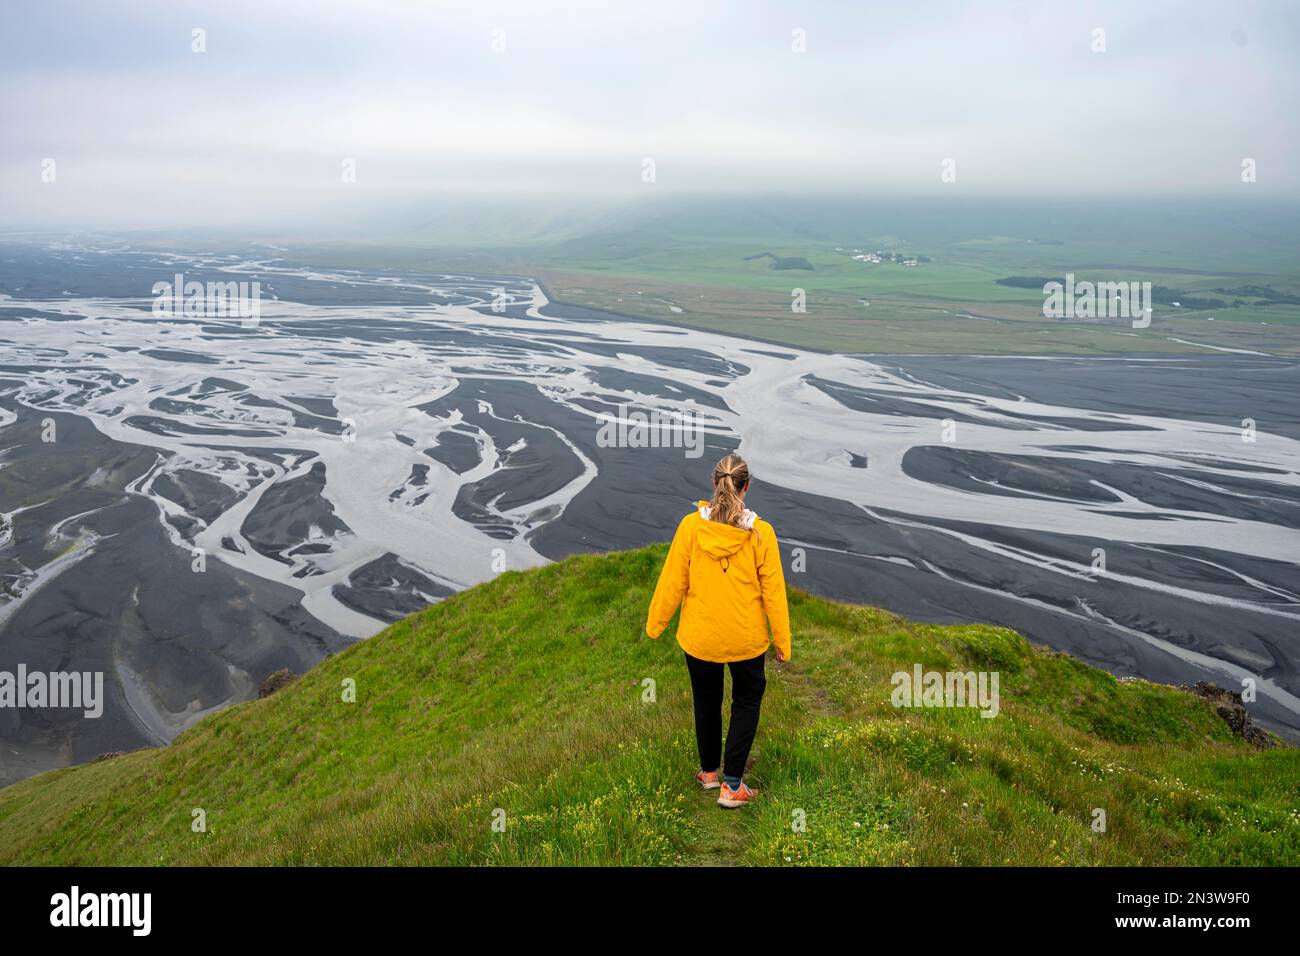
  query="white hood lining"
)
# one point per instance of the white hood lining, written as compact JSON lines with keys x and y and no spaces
{"x":747,"y":517}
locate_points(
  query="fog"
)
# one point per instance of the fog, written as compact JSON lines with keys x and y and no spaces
{"x":426,"y":101}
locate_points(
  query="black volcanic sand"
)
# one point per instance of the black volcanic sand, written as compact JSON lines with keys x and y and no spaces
{"x":201,"y":495}
{"x":176,"y":355}
{"x":1033,"y":476}
{"x":418,"y":478}
{"x":1210,"y":388}
{"x":170,"y":641}
{"x":281,"y":521}
{"x":450,"y":339}
{"x":26,"y":273}
{"x":322,"y":407}
{"x":85,"y":389}
{"x":534,"y":461}
{"x":167,"y":428}
{"x":330,"y":424}
{"x":883,"y":402}
{"x":388,"y":589}
{"x":880,"y":402}
{"x":620,"y":380}
{"x":456,"y":449}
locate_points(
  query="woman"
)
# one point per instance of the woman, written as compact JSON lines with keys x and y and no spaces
{"x":724,"y":569}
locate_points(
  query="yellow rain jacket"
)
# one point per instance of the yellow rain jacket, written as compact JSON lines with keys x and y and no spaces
{"x":729,"y":583}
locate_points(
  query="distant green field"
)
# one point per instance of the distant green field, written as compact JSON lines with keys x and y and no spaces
{"x":934,"y":307}
{"x":693,"y":264}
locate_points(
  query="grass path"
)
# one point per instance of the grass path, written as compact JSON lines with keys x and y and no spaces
{"x":724,"y":836}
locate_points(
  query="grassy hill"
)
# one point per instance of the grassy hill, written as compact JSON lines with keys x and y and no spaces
{"x":526,"y":694}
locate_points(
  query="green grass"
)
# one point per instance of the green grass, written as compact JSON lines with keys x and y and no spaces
{"x":951,"y":305}
{"x":525,"y":696}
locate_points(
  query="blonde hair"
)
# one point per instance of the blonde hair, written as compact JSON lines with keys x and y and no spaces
{"x":730,"y":479}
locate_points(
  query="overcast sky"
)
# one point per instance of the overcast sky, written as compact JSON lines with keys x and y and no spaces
{"x":145,"y":131}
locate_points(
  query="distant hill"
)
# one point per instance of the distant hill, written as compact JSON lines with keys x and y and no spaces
{"x":525,"y":700}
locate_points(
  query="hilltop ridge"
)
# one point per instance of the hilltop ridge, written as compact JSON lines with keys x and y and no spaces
{"x":536,"y":702}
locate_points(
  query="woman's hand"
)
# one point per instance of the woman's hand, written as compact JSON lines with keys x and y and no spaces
{"x":779,"y":656}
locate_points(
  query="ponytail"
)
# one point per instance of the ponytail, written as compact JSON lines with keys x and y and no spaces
{"x":730,"y":479}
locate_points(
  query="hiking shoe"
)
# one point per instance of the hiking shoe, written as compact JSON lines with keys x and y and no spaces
{"x":708,"y":779}
{"x":735,"y":798}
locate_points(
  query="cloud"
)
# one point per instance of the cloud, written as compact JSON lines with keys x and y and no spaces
{"x":577,"y":95}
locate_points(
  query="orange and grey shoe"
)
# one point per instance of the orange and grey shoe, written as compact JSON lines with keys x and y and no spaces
{"x":708,"y":779}
{"x":736,"y":798}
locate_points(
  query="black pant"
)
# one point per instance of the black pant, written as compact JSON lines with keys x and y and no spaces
{"x":747,"y":685}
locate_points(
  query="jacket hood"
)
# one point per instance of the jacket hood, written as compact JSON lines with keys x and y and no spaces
{"x":723,"y":540}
